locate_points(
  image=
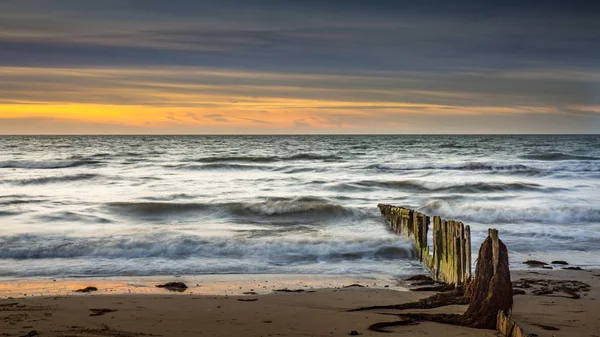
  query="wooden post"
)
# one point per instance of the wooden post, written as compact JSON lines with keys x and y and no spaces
{"x":452,"y":255}
{"x":463,"y":260}
{"x":437,"y":245}
{"x":493,"y":234}
{"x":449,"y":257}
{"x":468,"y":251}
{"x":457,"y":266}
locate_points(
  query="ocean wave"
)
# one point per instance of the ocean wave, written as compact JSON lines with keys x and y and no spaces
{"x":296,"y":169}
{"x":218,"y":166}
{"x":55,"y":179}
{"x":451,"y":146}
{"x":556,"y":156}
{"x":93,"y":156}
{"x":19,"y":200}
{"x":494,"y":214}
{"x":470,"y":166}
{"x":269,"y":159}
{"x":171,"y":245}
{"x":298,"y":208}
{"x":474,"y":187}
{"x":67,"y":216}
{"x":46,"y":164}
{"x":171,"y":197}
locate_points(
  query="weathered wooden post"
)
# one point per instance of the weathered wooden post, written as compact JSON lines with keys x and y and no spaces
{"x":451,"y":249}
{"x":468,"y":251}
{"x":491,"y":288}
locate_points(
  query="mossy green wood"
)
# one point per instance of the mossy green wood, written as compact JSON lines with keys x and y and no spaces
{"x":449,"y":258}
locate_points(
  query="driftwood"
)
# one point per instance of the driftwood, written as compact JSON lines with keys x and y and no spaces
{"x":455,"y":296}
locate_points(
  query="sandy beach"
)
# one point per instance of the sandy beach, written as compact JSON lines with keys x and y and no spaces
{"x":315,"y":310}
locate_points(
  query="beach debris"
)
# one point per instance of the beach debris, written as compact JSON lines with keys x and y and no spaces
{"x":174,"y":286}
{"x":546,"y":327}
{"x":439,"y":287}
{"x":353,"y":333}
{"x":572,"y":268}
{"x":355,"y":285}
{"x":7,"y":305}
{"x":564,"y":263}
{"x":87,"y":290}
{"x":425,"y":282}
{"x":247,"y":299}
{"x":456,"y":296}
{"x":544,"y":287}
{"x":249,"y":293}
{"x":286,"y":290}
{"x":267,"y":322}
{"x":519,"y":292}
{"x":419,"y":278}
{"x":381,"y":327}
{"x":100,"y":312}
{"x":535,"y":263}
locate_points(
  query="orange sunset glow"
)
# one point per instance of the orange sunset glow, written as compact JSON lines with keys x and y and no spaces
{"x":130,"y":68}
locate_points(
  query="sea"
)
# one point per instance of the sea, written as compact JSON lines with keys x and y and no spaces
{"x":103,"y":206}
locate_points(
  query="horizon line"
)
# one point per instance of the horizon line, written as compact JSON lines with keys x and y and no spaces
{"x":300,"y":134}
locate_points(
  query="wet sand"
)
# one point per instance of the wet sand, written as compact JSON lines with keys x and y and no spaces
{"x":320,"y":309}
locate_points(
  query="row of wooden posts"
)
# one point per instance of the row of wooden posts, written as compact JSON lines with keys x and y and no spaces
{"x":449,"y":257}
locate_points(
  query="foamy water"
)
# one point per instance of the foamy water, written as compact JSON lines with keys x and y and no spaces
{"x":191,"y":205}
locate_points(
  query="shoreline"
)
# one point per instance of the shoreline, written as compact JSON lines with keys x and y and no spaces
{"x":207,"y":285}
{"x":319,"y":310}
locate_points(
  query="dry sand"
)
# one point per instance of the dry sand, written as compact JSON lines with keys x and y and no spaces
{"x":313,"y":312}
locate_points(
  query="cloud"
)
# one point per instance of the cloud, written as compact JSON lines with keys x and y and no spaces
{"x":226,"y":119}
{"x":253,"y":120}
{"x":51,"y":125}
{"x":337,"y":66}
{"x":300,"y":123}
{"x":305,"y":35}
{"x":217,"y":117}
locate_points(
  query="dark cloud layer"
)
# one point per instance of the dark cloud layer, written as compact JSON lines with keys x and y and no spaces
{"x":387,"y":35}
{"x":463,"y":53}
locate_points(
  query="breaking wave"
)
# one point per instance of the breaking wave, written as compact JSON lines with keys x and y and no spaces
{"x":300,"y":208}
{"x":269,"y":159}
{"x":472,"y":166}
{"x":475,"y":187}
{"x":557,"y":156}
{"x":46,"y":165}
{"x":172,"y":245}
{"x":219,"y":166}
{"x":56,"y":179}
{"x":489,"y":214}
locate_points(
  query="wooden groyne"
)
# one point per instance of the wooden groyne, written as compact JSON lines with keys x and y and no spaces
{"x":449,"y":257}
{"x":449,"y":260}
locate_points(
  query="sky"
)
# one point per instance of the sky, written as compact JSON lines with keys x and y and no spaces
{"x":299,"y":67}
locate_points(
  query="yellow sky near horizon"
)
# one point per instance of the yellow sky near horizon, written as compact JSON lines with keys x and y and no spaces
{"x":188,"y":100}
